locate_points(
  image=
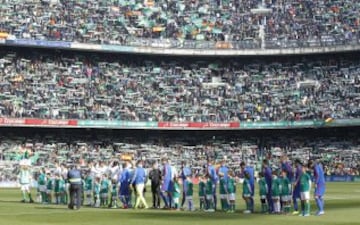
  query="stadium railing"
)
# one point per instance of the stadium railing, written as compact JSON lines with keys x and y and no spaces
{"x":201,"y":48}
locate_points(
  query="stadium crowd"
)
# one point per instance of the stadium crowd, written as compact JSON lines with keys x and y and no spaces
{"x":296,"y":23}
{"x":340,"y":156}
{"x":284,"y":181}
{"x":60,"y":85}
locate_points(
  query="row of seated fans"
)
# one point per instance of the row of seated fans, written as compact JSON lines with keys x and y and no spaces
{"x":340,"y":155}
{"x":295,"y":22}
{"x":63,"y":85}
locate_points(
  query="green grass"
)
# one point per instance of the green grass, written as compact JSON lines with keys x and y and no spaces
{"x":342,"y":207}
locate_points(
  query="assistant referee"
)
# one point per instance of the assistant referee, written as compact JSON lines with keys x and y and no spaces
{"x":74,"y":178}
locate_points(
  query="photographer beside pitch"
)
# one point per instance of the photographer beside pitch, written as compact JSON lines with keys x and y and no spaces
{"x":74,"y":178}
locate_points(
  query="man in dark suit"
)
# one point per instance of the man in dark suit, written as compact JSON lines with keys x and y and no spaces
{"x":155,"y":177}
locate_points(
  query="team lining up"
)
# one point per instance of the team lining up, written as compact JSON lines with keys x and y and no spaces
{"x":278,"y":188}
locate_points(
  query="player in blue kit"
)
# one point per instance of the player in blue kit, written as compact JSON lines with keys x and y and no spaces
{"x":124,"y":180}
{"x":167,"y":185}
{"x":296,"y":186}
{"x":319,"y":181}
{"x":211,"y":171}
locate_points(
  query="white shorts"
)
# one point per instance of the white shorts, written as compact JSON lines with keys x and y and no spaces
{"x":48,"y":191}
{"x":202,"y":197}
{"x":231,"y":197}
{"x":176,"y":200}
{"x":67,"y":187}
{"x":246,"y":195}
{"x":104,"y":195}
{"x":189,"y":198}
{"x":285,"y":198}
{"x":88,"y":192}
{"x":42,"y":188}
{"x":262,"y":196}
{"x":276,"y":197}
{"x":209,"y":197}
{"x":223,"y":196}
{"x":25,"y":187}
{"x":305,"y":195}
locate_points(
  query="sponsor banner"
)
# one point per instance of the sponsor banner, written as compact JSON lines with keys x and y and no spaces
{"x":58,"y":44}
{"x":338,"y":178}
{"x":117,"y":48}
{"x":116,"y":124}
{"x":278,"y":124}
{"x":356,"y":178}
{"x":37,"y":122}
{"x":198,"y":125}
{"x":86,"y":46}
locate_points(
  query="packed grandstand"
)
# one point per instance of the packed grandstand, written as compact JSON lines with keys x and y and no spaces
{"x":62,"y":85}
{"x":292,"y":23}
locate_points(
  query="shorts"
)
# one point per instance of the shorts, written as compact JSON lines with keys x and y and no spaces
{"x":202,"y":198}
{"x":305,"y":195}
{"x":320,"y":190}
{"x":188,"y":198}
{"x":104,"y":195}
{"x":275,"y":198}
{"x":231,"y":197}
{"x":262,"y":196}
{"x":124,"y":189}
{"x":246,"y":195}
{"x":167,"y":186}
{"x":223,"y":196}
{"x":42,"y":188}
{"x":48,"y":191}
{"x":209,"y":197}
{"x":25,"y":187}
{"x":88,"y":192}
{"x":285,"y":198}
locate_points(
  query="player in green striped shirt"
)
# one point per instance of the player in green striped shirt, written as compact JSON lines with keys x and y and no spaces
{"x":275,"y":192}
{"x":209,"y":194}
{"x":305,"y":186}
{"x":114,"y":194}
{"x":223,"y":192}
{"x":104,"y":190}
{"x":88,"y":188}
{"x":57,"y":184}
{"x":286,"y":191}
{"x":49,"y":187}
{"x":202,"y":192}
{"x":176,"y":193}
{"x":42,"y":185}
{"x":247,"y":192}
{"x":263,"y":191}
{"x":189,"y":193}
{"x":231,"y":190}
{"x":96,"y":192}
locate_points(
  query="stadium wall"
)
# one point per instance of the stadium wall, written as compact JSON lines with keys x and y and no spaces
{"x":148,"y":48}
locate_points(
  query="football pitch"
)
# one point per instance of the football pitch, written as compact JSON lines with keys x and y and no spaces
{"x":342,"y":206}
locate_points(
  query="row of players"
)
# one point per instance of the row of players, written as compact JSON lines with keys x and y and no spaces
{"x":276,"y":188}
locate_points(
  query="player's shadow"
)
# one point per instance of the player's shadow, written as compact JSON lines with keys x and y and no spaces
{"x":190,"y":216}
{"x":50,"y":207}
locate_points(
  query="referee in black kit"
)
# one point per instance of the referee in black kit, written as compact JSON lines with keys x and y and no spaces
{"x":74,"y":178}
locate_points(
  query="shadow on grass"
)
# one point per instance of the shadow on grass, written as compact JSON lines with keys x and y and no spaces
{"x":189,"y":216}
{"x":51,"y":207}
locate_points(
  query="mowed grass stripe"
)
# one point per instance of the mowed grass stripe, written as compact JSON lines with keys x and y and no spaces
{"x":338,"y":211}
